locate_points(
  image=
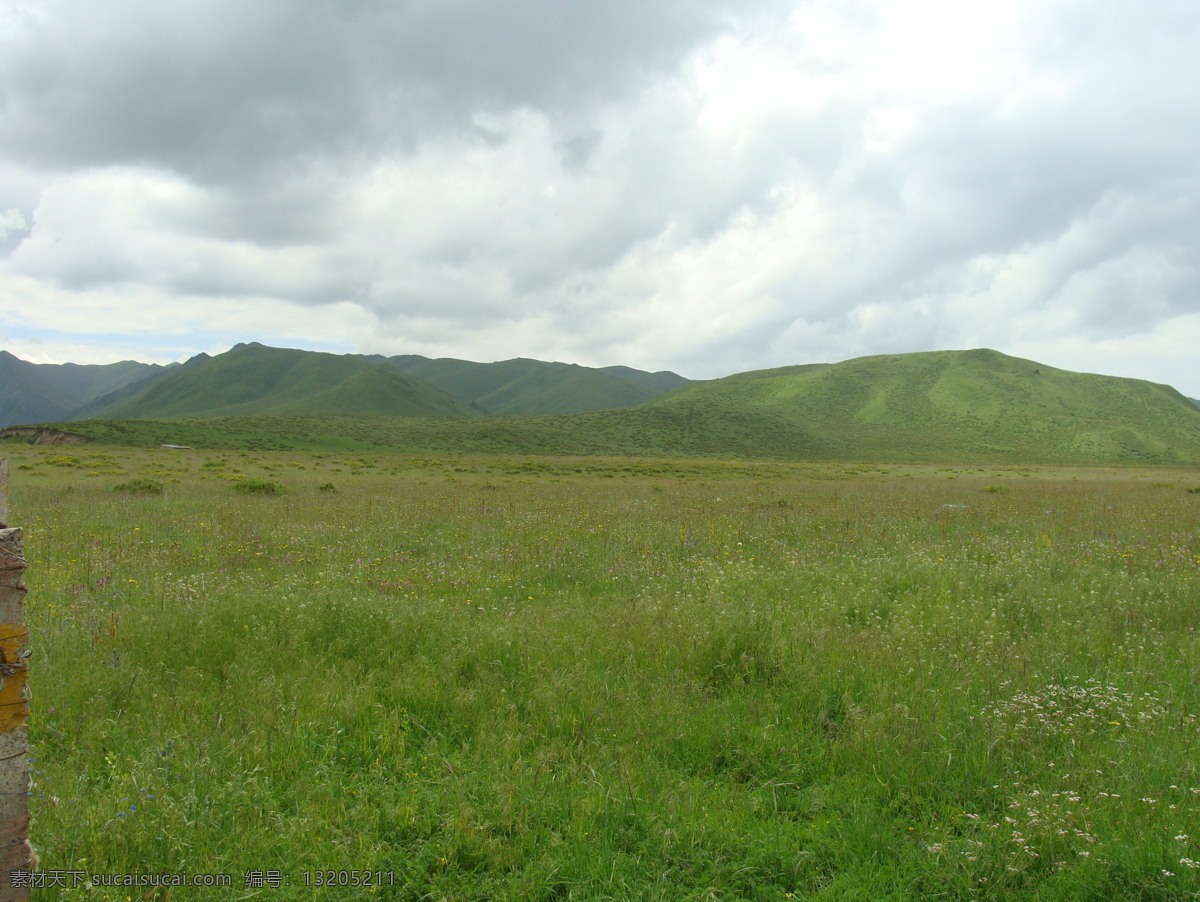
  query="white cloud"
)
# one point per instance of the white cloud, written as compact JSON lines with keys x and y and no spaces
{"x":704,"y":187}
{"x":12,"y":220}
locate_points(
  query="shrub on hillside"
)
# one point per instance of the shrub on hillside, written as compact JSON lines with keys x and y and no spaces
{"x":259,"y":487}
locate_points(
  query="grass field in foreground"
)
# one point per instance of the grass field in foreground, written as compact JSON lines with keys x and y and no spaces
{"x":509,"y":678}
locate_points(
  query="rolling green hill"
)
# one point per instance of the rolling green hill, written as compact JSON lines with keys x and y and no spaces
{"x":952,"y":405}
{"x":949,"y":406}
{"x":251,"y":379}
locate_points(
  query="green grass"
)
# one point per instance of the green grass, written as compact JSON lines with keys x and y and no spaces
{"x":498,"y":677}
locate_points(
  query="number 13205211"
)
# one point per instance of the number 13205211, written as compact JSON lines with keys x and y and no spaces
{"x":349,"y":877}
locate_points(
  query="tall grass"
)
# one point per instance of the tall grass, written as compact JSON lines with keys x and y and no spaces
{"x":497,"y":678}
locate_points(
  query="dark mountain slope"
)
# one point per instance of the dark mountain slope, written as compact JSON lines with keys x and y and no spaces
{"x":37,"y":392}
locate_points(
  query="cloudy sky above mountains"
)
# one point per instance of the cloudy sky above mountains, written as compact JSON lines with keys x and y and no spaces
{"x":707,"y":186}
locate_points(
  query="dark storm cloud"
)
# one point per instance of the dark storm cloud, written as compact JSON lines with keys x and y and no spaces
{"x":220,"y":90}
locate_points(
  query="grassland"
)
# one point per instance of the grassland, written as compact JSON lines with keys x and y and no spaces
{"x":508,"y":677}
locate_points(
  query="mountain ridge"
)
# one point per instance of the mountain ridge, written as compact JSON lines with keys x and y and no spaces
{"x":253,"y":379}
{"x":977,"y":406}
{"x":35,"y":393}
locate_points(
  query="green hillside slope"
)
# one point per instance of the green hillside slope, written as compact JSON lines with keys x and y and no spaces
{"x":466,"y":379}
{"x":90,"y":382}
{"x":286,"y":381}
{"x":372,"y":391}
{"x":660,"y":382}
{"x":955,"y":405}
{"x":27,"y":396}
{"x":126,"y":395}
{"x":564,"y":388}
{"x":251,"y":379}
{"x":523,"y":386}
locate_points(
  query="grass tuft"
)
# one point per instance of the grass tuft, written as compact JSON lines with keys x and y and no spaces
{"x":259,"y":487}
{"x":140,"y":487}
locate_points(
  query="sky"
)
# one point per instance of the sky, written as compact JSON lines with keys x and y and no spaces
{"x":704,"y":186}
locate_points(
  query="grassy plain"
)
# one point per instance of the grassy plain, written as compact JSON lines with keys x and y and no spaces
{"x":548,"y":678}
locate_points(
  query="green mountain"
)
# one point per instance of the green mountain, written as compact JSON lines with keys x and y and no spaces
{"x":260,"y":380}
{"x":942,"y":407}
{"x":127,"y":395}
{"x":252,"y":379}
{"x":524,"y":386}
{"x":37,"y":392}
{"x":947,"y":405}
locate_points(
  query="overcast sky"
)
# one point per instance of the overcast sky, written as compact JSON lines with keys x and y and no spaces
{"x":707,"y":186}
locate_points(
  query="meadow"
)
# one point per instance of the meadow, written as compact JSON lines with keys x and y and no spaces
{"x":502,"y":677}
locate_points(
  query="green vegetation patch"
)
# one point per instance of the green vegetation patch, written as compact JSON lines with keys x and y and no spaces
{"x":259,"y":487}
{"x":63,"y":460}
{"x":140,"y":487}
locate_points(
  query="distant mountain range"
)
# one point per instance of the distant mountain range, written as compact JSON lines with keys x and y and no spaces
{"x":943,"y":406}
{"x":38,"y":392}
{"x":252,"y":379}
